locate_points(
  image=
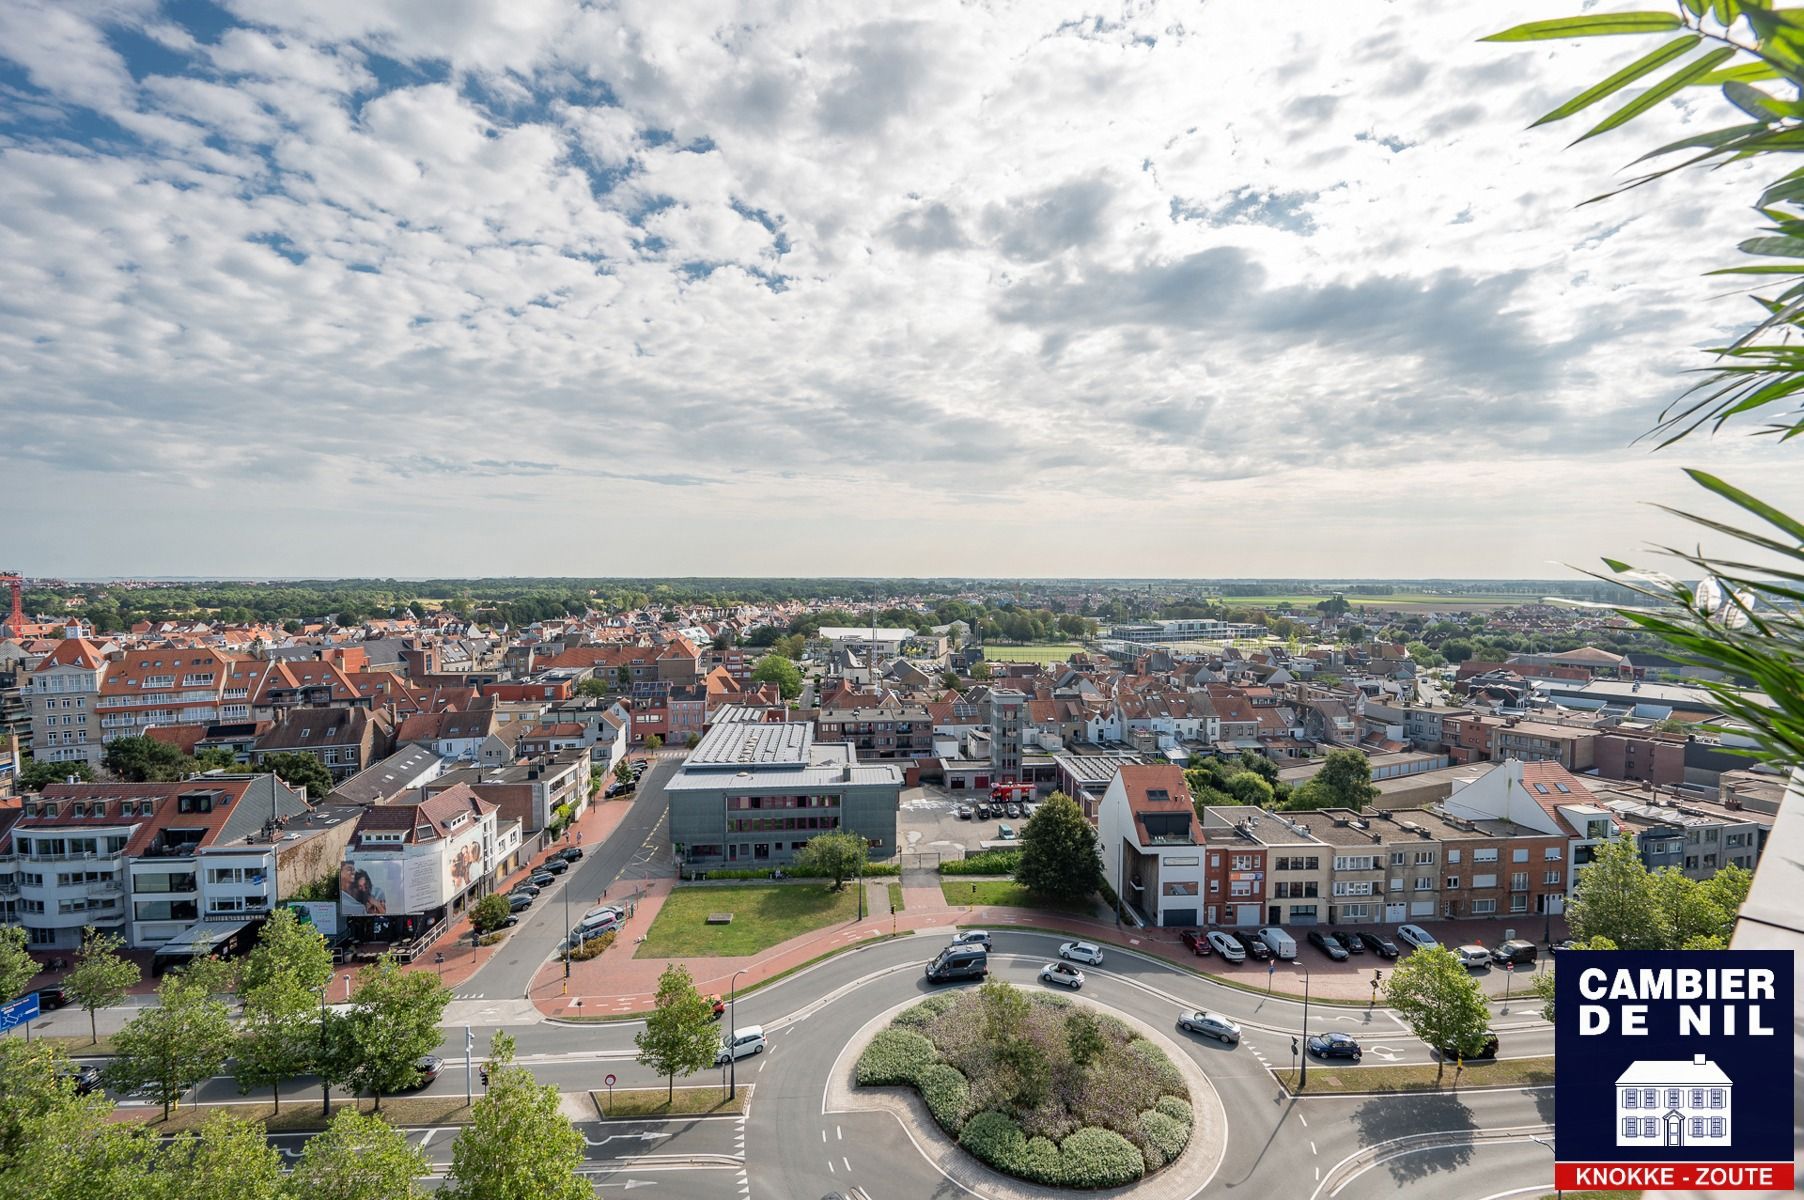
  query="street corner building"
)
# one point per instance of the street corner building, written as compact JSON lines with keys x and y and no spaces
{"x":751,"y":795}
{"x":1673,"y":1103}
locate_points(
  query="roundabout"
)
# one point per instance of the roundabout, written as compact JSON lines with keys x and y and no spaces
{"x":810,"y":1133}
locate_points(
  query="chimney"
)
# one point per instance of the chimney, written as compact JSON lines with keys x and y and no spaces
{"x":1697,"y":1060}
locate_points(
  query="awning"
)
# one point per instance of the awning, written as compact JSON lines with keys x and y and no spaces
{"x":203,"y":937}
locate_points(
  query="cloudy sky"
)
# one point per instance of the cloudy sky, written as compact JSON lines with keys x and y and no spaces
{"x":543,"y":287}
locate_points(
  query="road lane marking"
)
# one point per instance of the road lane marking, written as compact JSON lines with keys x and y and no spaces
{"x":848,"y":1165}
{"x":837,"y":1132}
{"x":1312,"y":1148}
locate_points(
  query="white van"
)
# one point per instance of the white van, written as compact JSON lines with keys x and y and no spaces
{"x":1281,"y":944}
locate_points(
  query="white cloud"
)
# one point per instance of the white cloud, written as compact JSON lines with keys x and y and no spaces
{"x":832,"y":288}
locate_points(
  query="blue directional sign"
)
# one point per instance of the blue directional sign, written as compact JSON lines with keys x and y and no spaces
{"x":19,"y":1011}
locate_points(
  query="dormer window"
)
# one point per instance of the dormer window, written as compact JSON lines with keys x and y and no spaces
{"x":78,"y":809}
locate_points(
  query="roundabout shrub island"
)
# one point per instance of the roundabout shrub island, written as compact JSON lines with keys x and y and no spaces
{"x":1036,"y":1086}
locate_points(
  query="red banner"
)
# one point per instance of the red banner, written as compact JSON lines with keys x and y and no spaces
{"x":1675,"y":1176}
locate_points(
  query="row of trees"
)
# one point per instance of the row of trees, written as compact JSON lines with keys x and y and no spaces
{"x":55,"y":1145}
{"x":1344,"y":781}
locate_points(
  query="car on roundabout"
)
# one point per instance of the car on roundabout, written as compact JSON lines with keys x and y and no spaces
{"x":1062,"y":973}
{"x":972,"y":937}
{"x":1084,"y":952}
{"x":744,"y":1043}
{"x":1227,"y":947}
{"x":1209,"y":1024}
{"x":1335,"y":1045}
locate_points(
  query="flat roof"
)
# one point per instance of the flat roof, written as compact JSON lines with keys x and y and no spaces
{"x":744,"y":744}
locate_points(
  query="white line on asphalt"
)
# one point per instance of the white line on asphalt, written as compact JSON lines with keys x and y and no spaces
{"x":427,"y":1140}
{"x":830,"y":1169}
{"x":1312,"y":1148}
{"x":837,"y":1132}
{"x":1303,"y":1119}
{"x":1318,"y":1174}
{"x":823,"y":1135}
{"x":847,"y":1163}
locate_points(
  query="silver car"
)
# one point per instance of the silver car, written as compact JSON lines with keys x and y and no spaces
{"x":1198,"y":1020}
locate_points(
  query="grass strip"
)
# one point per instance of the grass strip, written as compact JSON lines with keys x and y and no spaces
{"x":299,"y":1115}
{"x":1420,"y":1077}
{"x":627,"y":1104}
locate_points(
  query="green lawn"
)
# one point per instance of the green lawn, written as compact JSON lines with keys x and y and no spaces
{"x":1005,"y":893}
{"x":1042,"y":652}
{"x":763,"y":915}
{"x":640,"y":1103}
{"x":1509,"y":1072}
{"x":895,"y":897}
{"x":301,"y":1112}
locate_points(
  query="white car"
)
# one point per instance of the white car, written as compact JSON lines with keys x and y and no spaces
{"x":1210,"y":1024}
{"x":1084,"y":952}
{"x":1473,"y":956}
{"x":1062,"y":972}
{"x":744,"y":1043}
{"x":1227,"y":947}
{"x":1416,"y":936}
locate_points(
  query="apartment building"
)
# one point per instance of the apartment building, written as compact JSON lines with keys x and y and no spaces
{"x":753,"y":794}
{"x":1007,"y":715}
{"x":1543,"y":797}
{"x":410,"y":867}
{"x":170,"y":686}
{"x":1298,"y":864}
{"x":881,"y":732}
{"x":63,"y":695}
{"x":1480,"y":737}
{"x":1695,"y":836}
{"x":1234,"y":878}
{"x":1151,"y":845}
{"x":529,"y":792}
{"x":1641,"y":755}
{"x":1487,"y":868}
{"x":128,"y":857}
{"x":344,"y":740}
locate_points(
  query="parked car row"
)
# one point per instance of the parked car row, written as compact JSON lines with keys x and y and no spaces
{"x":1339,"y":945}
{"x":984,"y":811}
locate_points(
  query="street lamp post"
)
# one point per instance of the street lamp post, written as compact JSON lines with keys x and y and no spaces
{"x":733,"y":1021}
{"x":1303,"y":1071}
{"x":325,"y":1085}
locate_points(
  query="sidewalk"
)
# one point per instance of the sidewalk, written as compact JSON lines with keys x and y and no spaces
{"x":615,"y":984}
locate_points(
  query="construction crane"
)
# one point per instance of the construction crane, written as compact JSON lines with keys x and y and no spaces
{"x":14,"y":581}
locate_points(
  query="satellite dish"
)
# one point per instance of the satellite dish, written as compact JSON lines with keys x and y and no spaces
{"x":1725,"y":605}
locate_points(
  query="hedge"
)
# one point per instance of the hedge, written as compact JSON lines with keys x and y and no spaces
{"x":948,"y":1095}
{"x":1157,"y":1065}
{"x":593,"y":947}
{"x":1099,"y":1158}
{"x":1163,"y":1134}
{"x":923,"y":1014}
{"x":871,"y":870}
{"x":895,"y":1056}
{"x":1176,"y":1109}
{"x":984,"y":862}
{"x":995,"y":1139}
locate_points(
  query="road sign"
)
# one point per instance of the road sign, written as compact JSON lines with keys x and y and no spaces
{"x":609,"y":1081}
{"x":19,"y":1011}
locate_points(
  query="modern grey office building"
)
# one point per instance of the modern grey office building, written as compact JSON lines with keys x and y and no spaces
{"x":752,"y":795}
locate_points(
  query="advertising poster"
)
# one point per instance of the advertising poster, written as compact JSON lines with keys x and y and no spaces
{"x":425,"y":882}
{"x":370,"y":887}
{"x":1686,"y":1076}
{"x":320,"y":914}
{"x":463,"y":862}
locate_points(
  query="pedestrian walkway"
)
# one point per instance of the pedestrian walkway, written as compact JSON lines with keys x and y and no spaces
{"x":616,"y":984}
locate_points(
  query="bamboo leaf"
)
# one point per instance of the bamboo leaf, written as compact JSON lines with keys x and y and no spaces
{"x":1645,"y":65}
{"x":1741,"y":499}
{"x":1774,"y":247}
{"x":1756,"y":72}
{"x":1661,"y":91}
{"x":1595,"y":25}
{"x":1750,"y":100}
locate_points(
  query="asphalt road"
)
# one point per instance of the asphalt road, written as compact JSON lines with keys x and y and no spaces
{"x":1311,"y":1148}
{"x":628,"y":855}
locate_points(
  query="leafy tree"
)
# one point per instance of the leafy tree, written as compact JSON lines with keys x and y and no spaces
{"x":1456,"y":650}
{"x":139,"y":759}
{"x":980,"y":670}
{"x":229,"y":1159}
{"x":358,"y":1157}
{"x":1083,"y":1038}
{"x":1616,"y":899}
{"x":654,"y":743}
{"x":38,"y":774}
{"x":1439,"y":1001}
{"x":519,"y":1144}
{"x":679,"y":1037}
{"x":214,"y":758}
{"x":593,"y":688}
{"x":281,"y":1033}
{"x":300,"y":770}
{"x":31,"y":1085}
{"x":171,"y":1047}
{"x":392,"y":1024}
{"x":487,"y":914}
{"x":1745,"y":621}
{"x":286,"y":943}
{"x":1248,"y":788}
{"x":1029,"y":1072}
{"x":1004,"y":1009}
{"x":101,"y":977}
{"x":71,"y":1150}
{"x":791,"y":646}
{"x":774,"y":668}
{"x":1058,"y":852}
{"x":1345,"y":781}
{"x":837,"y":855}
{"x":694,"y":740}
{"x":623,"y":771}
{"x":1542,"y":987}
{"x":17,"y":967}
{"x":623,"y":678}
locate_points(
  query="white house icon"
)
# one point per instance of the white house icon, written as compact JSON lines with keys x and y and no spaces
{"x":1663,"y":1102}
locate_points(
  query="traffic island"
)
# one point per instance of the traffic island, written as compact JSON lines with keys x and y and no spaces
{"x":1327,"y":1080}
{"x":639,"y":1104}
{"x":1008,"y":1094}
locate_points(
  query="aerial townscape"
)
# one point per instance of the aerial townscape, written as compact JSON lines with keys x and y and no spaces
{"x":1151,"y":587}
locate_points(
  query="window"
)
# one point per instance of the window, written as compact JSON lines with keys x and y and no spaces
{"x":1519,"y":855}
{"x":1483,"y":908}
{"x":1551,"y":877}
{"x":1519,"y":904}
{"x":1519,"y":881}
{"x":1629,"y":1096}
{"x":1650,"y":1098}
{"x":1452,"y":857}
{"x":1424,"y":857}
{"x":1698,"y":1125}
{"x":1697,"y":1097}
{"x":1486,"y":855}
{"x":1628,"y":1126}
{"x":1399,"y":857}
{"x":1672,"y":1097}
{"x":1425,"y":885}
{"x":1356,"y":912}
{"x":1649,"y":1127}
{"x":1716,"y":1097}
{"x":1452,"y":882}
{"x":1484,"y":881}
{"x":1717,"y":1127}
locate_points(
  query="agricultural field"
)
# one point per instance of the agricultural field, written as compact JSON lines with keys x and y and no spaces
{"x":1045,"y":652}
